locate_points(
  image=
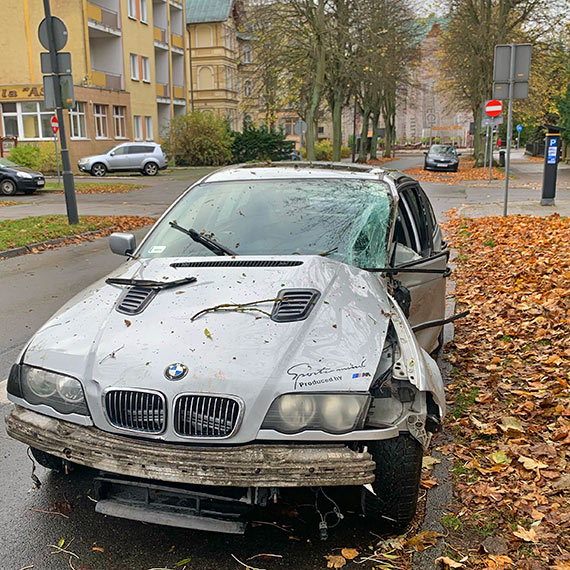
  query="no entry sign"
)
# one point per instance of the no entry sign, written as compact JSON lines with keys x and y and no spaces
{"x":493,"y":108}
{"x":54,"y":124}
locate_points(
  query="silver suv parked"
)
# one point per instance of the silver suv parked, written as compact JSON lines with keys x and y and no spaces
{"x":146,"y":157}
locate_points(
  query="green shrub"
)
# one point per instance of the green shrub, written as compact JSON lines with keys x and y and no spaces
{"x":47,"y":160}
{"x":260,"y":144}
{"x":323,"y":150}
{"x":345,"y":152}
{"x":26,"y":155}
{"x":198,"y":139}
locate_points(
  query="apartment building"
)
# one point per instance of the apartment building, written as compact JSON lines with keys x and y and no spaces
{"x":130,"y":71}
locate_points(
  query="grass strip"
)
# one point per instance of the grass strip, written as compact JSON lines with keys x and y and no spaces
{"x":96,"y":187}
{"x":36,"y":229}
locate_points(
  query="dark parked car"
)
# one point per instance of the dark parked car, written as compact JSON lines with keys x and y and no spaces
{"x":14,"y":178}
{"x":442,"y":157}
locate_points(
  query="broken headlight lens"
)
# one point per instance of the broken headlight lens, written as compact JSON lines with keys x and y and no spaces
{"x":333,"y":413}
{"x":62,"y":393}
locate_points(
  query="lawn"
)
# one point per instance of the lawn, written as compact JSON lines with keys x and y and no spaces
{"x":26,"y":231}
{"x":96,"y":187}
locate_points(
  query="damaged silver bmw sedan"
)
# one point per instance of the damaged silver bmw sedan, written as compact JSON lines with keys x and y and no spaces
{"x":273,"y":330}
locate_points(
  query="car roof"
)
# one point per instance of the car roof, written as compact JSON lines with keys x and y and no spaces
{"x":285,"y":170}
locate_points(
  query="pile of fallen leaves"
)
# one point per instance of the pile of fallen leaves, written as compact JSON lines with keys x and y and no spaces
{"x":34,"y":231}
{"x":466,"y":172}
{"x":510,"y":394}
{"x":380,"y":160}
{"x":96,"y":187}
{"x":8,"y":203}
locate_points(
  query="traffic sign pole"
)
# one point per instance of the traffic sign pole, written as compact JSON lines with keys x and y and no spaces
{"x":509,"y":126}
{"x":486,"y":148}
{"x":68,"y":182}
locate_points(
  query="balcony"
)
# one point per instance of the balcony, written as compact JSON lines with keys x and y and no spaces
{"x":160,"y":38}
{"x":103,"y":19}
{"x":163,"y":90}
{"x":106,"y":79}
{"x":179,"y":92}
{"x":177,"y":42}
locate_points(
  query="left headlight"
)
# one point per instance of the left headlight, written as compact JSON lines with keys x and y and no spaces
{"x":37,"y":386}
{"x":23,"y":175}
{"x":333,"y":413}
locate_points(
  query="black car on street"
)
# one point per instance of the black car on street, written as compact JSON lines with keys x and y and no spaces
{"x":441,"y":157}
{"x":14,"y":178}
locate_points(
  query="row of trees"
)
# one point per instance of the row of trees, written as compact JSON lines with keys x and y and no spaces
{"x":314,"y":55}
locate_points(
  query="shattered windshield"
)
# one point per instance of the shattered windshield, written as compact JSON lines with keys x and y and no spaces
{"x":346,"y":220}
{"x":442,"y":150}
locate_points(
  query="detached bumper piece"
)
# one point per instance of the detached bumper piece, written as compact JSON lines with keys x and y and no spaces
{"x":202,"y":508}
{"x":252,"y":465}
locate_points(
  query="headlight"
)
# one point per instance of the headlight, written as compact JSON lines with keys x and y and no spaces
{"x":83,"y":161}
{"x":63,"y":393}
{"x":333,"y":413}
{"x":23,"y":175}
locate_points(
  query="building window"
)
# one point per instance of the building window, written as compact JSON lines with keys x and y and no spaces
{"x":247,"y":56}
{"x":132,"y":9}
{"x":100,"y":112}
{"x":27,"y":120}
{"x":119,"y":120}
{"x":145,"y":69}
{"x":137,"y":123}
{"x":205,"y":78}
{"x":144,"y":12}
{"x":148,"y":128}
{"x":321,"y":130}
{"x":135,"y":76}
{"x":77,"y":121}
{"x":248,"y":88}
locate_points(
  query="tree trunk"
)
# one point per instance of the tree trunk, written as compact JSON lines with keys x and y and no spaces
{"x":374,"y":142}
{"x":336,"y":111}
{"x":389,"y":114}
{"x":362,"y":151}
{"x":478,"y":144}
{"x":319,"y":79}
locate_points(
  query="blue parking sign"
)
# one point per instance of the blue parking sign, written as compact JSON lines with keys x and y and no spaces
{"x":552,"y":153}
{"x":519,"y":128}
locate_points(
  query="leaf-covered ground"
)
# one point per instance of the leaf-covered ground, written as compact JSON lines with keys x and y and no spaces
{"x":510,"y":394}
{"x":95,"y":187}
{"x":26,"y":231}
{"x":8,"y":203}
{"x":466,"y":172}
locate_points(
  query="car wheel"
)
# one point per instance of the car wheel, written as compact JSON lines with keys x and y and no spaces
{"x":8,"y":187}
{"x":398,"y":472}
{"x":150,"y":169}
{"x":47,"y":460}
{"x":98,"y":169}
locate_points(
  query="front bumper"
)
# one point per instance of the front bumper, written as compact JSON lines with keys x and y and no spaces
{"x":30,"y":183}
{"x":252,"y":465}
{"x":84,"y":167}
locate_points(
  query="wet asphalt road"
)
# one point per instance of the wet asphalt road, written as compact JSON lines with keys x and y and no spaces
{"x":35,"y":286}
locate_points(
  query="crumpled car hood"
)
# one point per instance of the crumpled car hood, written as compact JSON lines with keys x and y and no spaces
{"x":242,"y":354}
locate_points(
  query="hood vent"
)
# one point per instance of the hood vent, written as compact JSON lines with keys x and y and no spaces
{"x":135,"y":300}
{"x":294,"y":305}
{"x":238,"y":263}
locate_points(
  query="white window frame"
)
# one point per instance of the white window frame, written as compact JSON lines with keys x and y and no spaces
{"x":134,"y":58}
{"x":120,"y":120}
{"x":77,"y":121}
{"x":19,"y":114}
{"x":137,"y":128}
{"x":145,"y":69}
{"x":132,"y":9}
{"x":247,"y":55}
{"x":248,"y":88}
{"x":101,"y":124}
{"x":149,"y":133}
{"x":143,"y":11}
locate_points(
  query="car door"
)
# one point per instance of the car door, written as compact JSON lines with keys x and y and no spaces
{"x":136,"y":156}
{"x":117,"y":158}
{"x":421,"y":255}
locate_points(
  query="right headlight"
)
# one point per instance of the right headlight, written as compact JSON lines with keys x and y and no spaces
{"x":37,"y":386}
{"x":333,"y":413}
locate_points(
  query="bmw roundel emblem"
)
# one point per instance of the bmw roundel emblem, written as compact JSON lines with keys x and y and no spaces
{"x":176,"y":371}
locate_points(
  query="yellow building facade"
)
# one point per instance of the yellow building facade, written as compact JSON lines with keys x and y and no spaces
{"x":129,"y":64}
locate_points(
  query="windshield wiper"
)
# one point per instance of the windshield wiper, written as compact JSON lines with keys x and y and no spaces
{"x":212,"y":245}
{"x":328,"y":252}
{"x":148,"y":283}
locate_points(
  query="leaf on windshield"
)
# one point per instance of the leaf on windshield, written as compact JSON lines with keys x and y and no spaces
{"x":208,"y":334}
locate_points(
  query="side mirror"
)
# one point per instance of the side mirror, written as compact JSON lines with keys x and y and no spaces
{"x":122,"y":243}
{"x":458,"y":154}
{"x":425,"y":153}
{"x":112,"y":153}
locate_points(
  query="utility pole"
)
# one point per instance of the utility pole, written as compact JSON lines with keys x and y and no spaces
{"x":354,"y":132}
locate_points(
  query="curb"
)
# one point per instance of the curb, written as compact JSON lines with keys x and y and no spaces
{"x":23,"y":250}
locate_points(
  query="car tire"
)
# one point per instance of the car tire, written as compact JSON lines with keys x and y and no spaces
{"x":8,"y":187}
{"x":47,"y":460}
{"x":150,"y":169}
{"x":398,"y":473}
{"x":98,"y":169}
